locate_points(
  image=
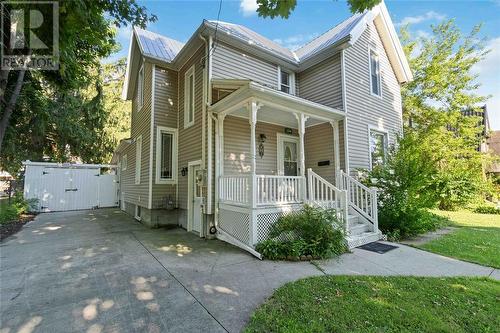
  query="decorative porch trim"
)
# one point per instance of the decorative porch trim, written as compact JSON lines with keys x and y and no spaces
{"x":277,"y":99}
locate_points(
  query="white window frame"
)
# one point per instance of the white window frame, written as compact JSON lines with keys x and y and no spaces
{"x":291,"y":78}
{"x":138,"y":158}
{"x":159,"y":131}
{"x":370,"y":51}
{"x":124,"y":162}
{"x":188,"y":73}
{"x":381,"y":131}
{"x":140,"y":88}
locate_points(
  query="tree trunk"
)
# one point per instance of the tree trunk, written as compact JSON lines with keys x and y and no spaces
{"x":4,"y":122}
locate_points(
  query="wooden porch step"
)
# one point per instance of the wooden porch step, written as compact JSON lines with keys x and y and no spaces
{"x":362,"y":239}
{"x":359,"y":228}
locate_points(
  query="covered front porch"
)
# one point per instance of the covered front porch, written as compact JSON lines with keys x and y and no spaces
{"x":274,"y":153}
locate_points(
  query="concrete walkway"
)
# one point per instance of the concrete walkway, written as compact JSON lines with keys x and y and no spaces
{"x":101,"y":271}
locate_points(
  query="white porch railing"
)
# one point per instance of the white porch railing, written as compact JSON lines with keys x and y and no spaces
{"x":272,"y":190}
{"x":269,"y":190}
{"x":235,"y":190}
{"x":324,"y":194}
{"x":361,"y":198}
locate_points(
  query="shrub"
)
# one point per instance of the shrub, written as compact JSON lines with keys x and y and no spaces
{"x":8,"y":213}
{"x":487,"y":210}
{"x":313,"y":231}
{"x":406,"y":189}
{"x":17,"y":207}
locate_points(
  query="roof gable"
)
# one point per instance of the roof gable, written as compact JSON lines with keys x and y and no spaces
{"x":331,"y":37}
{"x":157,"y":46}
{"x":345,"y":34}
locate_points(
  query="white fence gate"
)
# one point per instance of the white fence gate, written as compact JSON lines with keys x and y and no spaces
{"x":61,"y":187}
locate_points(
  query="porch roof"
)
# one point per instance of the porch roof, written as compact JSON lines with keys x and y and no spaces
{"x":268,"y":97}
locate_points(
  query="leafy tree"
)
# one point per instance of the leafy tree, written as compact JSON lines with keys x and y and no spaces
{"x":406,"y":186}
{"x":68,"y":125}
{"x":444,"y":86}
{"x":283,"y":8}
{"x":86,"y":35}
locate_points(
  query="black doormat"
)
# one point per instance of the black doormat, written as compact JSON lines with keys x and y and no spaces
{"x":377,"y":247}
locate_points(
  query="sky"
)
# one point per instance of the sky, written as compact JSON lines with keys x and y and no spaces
{"x":179,"y":19}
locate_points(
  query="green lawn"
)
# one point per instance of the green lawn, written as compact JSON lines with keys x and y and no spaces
{"x":477,"y":238}
{"x":381,"y":304}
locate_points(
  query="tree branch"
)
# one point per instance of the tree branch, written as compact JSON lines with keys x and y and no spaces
{"x":10,"y":106}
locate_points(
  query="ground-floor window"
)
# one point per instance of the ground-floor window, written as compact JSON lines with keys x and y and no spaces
{"x":378,"y":147}
{"x":166,"y":155}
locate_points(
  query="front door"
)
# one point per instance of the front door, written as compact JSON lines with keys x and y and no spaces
{"x":196,"y":194}
{"x":288,"y":155}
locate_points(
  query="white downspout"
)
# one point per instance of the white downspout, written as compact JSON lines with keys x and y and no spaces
{"x":151,"y":138}
{"x":344,"y":105}
{"x":210,"y":130}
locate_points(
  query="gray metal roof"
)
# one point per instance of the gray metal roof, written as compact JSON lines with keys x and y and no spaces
{"x":158,"y":46}
{"x":165,"y":48}
{"x":332,"y":36}
{"x":252,"y":38}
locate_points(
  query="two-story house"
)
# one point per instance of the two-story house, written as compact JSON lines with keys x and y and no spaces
{"x":231,"y":130}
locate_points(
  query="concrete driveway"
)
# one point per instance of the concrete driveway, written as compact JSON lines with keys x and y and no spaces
{"x":101,"y":271}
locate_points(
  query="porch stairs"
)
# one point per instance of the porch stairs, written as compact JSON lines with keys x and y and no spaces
{"x":360,"y":232}
{"x":356,"y":204}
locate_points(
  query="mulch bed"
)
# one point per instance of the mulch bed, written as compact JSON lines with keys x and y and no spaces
{"x":10,"y":228}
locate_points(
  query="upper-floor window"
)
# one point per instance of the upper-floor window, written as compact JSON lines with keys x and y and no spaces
{"x":375,"y":87}
{"x":140,"y":89}
{"x":286,"y":81}
{"x":138,"y":159}
{"x":378,"y":147}
{"x":166,"y":155}
{"x":189,"y":97}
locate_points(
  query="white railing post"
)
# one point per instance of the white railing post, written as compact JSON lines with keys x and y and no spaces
{"x":375,"y":209}
{"x":309,"y":185}
{"x":344,"y":206}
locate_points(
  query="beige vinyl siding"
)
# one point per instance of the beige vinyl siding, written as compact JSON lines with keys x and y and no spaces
{"x":237,"y":146}
{"x":364,"y":109}
{"x":231,"y":63}
{"x":342,"y":145}
{"x":319,"y":146}
{"x":322,"y":83}
{"x":190,"y":138}
{"x":165,"y":111}
{"x":137,"y":194}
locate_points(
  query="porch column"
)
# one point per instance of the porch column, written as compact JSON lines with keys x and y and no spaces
{"x":302,"y":160}
{"x":253,"y":107}
{"x":336,"y":150}
{"x":219,"y":145}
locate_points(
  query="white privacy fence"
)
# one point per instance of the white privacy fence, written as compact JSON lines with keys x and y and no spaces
{"x":62,"y":187}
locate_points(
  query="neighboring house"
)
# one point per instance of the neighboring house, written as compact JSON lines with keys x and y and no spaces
{"x":483,"y":122}
{"x":233,"y":130}
{"x":493,"y":148}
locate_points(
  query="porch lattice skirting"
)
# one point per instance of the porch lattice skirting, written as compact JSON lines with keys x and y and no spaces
{"x":237,"y":221}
